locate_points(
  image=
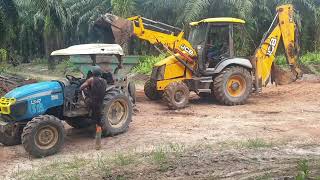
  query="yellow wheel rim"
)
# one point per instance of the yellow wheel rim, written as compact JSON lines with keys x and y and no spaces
{"x":236,"y":86}
{"x":118,"y":113}
{"x":47,"y":137}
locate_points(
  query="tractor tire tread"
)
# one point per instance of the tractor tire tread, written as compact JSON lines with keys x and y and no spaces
{"x":107,"y":129}
{"x":28,"y":134}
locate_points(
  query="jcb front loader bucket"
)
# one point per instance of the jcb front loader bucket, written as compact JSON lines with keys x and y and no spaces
{"x":122,"y":29}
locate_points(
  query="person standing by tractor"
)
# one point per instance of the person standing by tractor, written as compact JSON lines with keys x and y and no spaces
{"x":96,"y":87}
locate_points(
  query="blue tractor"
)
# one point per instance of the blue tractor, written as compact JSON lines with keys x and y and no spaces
{"x":33,"y":114}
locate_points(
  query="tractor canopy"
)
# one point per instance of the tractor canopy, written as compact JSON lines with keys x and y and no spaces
{"x":90,"y":49}
{"x":88,"y":56}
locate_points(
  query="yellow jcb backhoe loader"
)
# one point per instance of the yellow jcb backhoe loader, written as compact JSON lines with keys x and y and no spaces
{"x":206,"y":62}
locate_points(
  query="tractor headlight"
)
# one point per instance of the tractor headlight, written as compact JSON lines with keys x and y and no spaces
{"x":158,"y":72}
{"x":19,"y":109}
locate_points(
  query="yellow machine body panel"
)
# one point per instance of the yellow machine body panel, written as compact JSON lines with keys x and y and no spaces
{"x":219,"y":20}
{"x":284,"y":28}
{"x":265,"y":56}
{"x":172,"y":41}
{"x":174,"y":71}
{"x":288,"y":29}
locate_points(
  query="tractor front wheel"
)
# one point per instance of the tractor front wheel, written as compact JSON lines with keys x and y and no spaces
{"x":176,"y":95}
{"x":43,"y":136}
{"x":150,"y":90}
{"x":11,"y":137}
{"x":233,"y":86}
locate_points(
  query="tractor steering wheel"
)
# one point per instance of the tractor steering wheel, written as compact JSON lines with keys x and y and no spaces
{"x":72,"y":79}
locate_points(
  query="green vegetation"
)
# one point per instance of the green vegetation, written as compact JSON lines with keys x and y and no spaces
{"x":146,"y":63}
{"x":113,"y":166}
{"x":70,"y":170}
{"x":31,"y":29}
{"x":254,"y":143}
{"x":309,"y":61}
{"x":160,"y":158}
{"x":124,"y":159}
{"x":304,"y":170}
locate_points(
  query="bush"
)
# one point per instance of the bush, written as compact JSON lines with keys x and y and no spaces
{"x":146,"y":64}
{"x":306,"y":59}
{"x":3,"y":55}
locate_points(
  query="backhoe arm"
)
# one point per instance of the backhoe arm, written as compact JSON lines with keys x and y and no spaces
{"x":160,"y":33}
{"x":157,"y":33}
{"x":283,"y":28}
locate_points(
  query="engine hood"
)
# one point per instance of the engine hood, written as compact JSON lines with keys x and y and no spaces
{"x":31,"y":91}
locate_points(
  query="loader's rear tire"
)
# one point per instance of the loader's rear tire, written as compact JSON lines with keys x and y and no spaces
{"x":150,"y":90}
{"x":117,"y":113}
{"x":233,"y":86}
{"x":176,"y":95}
{"x":11,"y":138}
{"x":79,"y":123}
{"x":43,"y":136}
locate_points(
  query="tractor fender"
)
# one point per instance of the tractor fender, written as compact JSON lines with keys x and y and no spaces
{"x":234,"y":61}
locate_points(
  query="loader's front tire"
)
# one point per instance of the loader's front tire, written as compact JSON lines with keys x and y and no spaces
{"x":150,"y":90}
{"x":43,"y":136}
{"x":117,"y":113}
{"x":176,"y":95}
{"x":233,"y":86}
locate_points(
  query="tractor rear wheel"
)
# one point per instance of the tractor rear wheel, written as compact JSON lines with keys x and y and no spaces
{"x":176,"y":95}
{"x":132,"y":92}
{"x":233,"y":86}
{"x":11,"y":138}
{"x":150,"y":90}
{"x":43,"y":136}
{"x":117,"y":113}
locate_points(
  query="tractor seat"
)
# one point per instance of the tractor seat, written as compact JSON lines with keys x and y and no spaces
{"x":108,"y":77}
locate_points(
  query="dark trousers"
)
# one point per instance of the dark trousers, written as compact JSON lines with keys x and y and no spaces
{"x":96,"y":116}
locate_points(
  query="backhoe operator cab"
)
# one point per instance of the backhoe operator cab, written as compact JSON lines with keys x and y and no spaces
{"x":213,"y":40}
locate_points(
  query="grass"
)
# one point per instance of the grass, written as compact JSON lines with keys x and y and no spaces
{"x":155,"y":163}
{"x":160,"y":159}
{"x":255,"y":143}
{"x":119,"y":165}
{"x":303,"y":170}
{"x":55,"y":170}
{"x":124,"y":159}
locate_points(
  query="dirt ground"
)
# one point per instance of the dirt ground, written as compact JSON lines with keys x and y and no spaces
{"x":287,"y":117}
